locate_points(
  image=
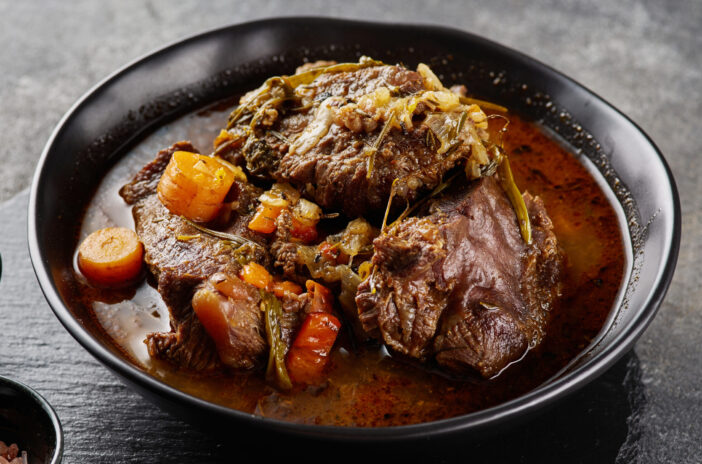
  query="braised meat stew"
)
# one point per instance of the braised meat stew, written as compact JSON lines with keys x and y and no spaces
{"x":355,"y":250}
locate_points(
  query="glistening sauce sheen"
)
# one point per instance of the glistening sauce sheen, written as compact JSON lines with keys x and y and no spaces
{"x":366,"y":387}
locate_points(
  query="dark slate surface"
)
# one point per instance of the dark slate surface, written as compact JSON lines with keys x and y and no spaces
{"x":645,"y":57}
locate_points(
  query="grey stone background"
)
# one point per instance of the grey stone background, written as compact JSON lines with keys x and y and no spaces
{"x":645,"y":57}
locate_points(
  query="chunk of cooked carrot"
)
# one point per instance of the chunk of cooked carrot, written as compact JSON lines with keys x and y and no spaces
{"x":195,"y":185}
{"x":310,"y":351}
{"x":208,"y":309}
{"x":222,"y":306}
{"x":332,"y":252}
{"x":279,"y":289}
{"x":329,"y":251}
{"x":264,"y":218}
{"x":321,"y":298}
{"x":111,"y":256}
{"x":256,"y":275}
{"x":229,"y":286}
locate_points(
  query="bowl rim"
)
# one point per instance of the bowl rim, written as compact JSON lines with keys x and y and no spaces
{"x":525,"y":404}
{"x":46,"y":407}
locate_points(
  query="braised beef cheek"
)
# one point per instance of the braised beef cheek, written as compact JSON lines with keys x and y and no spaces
{"x":333,"y":171}
{"x":461,"y":285}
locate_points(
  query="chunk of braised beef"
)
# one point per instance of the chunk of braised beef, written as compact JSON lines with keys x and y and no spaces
{"x":322,"y":144}
{"x":461,"y":284}
{"x":335,"y":171}
{"x":241,"y":343}
{"x":488,"y":329}
{"x":409,"y":295}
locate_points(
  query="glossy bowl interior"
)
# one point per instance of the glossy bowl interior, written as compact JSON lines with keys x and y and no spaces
{"x":28,"y":420}
{"x":189,"y":74}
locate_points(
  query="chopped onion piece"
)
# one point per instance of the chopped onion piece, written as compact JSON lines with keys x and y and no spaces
{"x":271,"y":199}
{"x":307,"y":212}
{"x":286,"y":192}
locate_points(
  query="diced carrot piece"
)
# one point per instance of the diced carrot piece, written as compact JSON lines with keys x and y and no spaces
{"x":264,"y":219}
{"x":229,"y":286}
{"x":111,"y":256}
{"x":310,"y":351}
{"x":208,"y":306}
{"x":321,"y":297}
{"x":305,"y":232}
{"x":195,"y":185}
{"x":279,"y":289}
{"x":256,"y":275}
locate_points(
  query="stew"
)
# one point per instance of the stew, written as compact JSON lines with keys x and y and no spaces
{"x":356,"y":250}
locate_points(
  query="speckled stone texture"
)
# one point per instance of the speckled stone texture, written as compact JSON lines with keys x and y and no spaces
{"x":645,"y":57}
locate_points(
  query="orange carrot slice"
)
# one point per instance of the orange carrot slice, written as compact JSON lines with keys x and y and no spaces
{"x":111,"y":256}
{"x":264,"y":219}
{"x":305,"y":232}
{"x":195,"y":185}
{"x":256,"y":275}
{"x":279,"y":289}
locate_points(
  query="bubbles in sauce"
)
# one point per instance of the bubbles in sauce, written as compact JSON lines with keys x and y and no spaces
{"x":366,"y":386}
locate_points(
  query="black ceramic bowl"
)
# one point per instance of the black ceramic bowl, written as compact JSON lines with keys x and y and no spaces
{"x":29,"y":420}
{"x":194,"y":72}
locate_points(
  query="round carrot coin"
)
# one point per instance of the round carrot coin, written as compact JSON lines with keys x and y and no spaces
{"x":111,"y":256}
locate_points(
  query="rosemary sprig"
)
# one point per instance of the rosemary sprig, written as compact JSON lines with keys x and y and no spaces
{"x":235,"y":239}
{"x":376,"y":145}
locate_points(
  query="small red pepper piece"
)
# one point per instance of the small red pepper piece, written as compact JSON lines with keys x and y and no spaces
{"x":305,"y":232}
{"x":264,"y":219}
{"x":310,"y":351}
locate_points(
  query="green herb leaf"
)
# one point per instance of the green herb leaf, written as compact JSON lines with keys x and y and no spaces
{"x":276,"y":371}
{"x":515,"y":197}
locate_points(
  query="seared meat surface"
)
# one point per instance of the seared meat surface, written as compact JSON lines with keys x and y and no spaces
{"x":344,"y":137}
{"x":460,"y":283}
{"x":336,"y":169}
